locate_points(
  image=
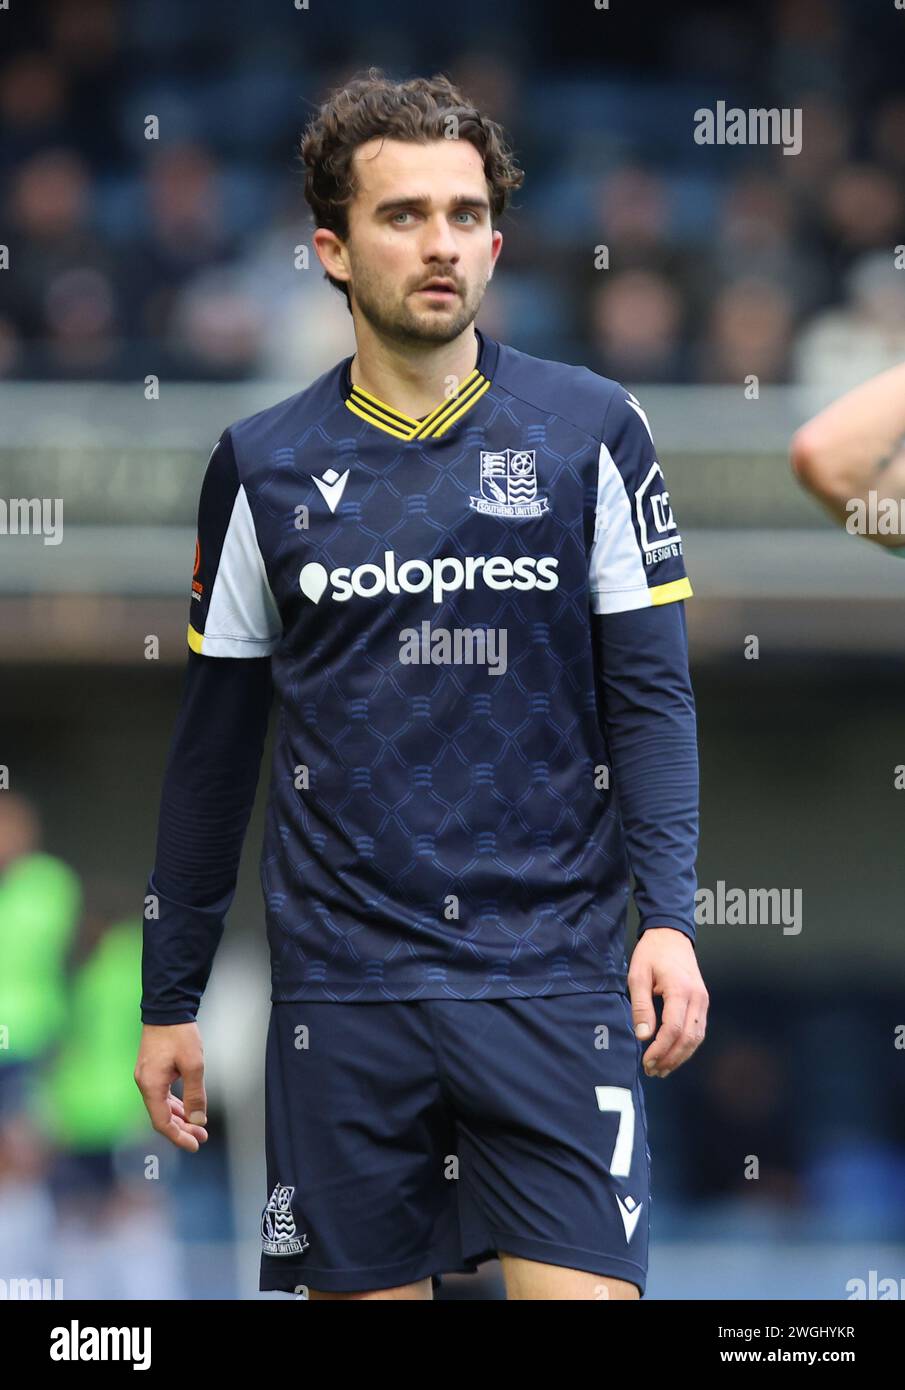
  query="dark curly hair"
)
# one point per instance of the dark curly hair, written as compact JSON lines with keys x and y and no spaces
{"x":418,"y":110}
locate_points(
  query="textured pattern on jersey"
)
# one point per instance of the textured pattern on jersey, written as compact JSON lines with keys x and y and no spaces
{"x":400,"y":790}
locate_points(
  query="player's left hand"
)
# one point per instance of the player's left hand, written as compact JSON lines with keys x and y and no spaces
{"x":664,"y":962}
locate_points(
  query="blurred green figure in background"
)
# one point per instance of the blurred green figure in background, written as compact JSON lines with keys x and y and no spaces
{"x":88,"y":1100}
{"x":40,"y":904}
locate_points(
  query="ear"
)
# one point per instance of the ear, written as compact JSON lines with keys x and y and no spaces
{"x":331,"y":252}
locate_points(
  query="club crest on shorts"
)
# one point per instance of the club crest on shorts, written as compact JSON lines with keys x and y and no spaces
{"x":278,"y":1225}
{"x":509,"y":484}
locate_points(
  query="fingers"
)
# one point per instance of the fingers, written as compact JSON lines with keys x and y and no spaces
{"x":169,"y":1121}
{"x":193,"y":1094}
{"x":669,"y":1032}
{"x":178,"y":1110}
{"x":184,"y":1136}
{"x":681,"y":1032}
{"x":644,"y":1016}
{"x":167,"y":1114}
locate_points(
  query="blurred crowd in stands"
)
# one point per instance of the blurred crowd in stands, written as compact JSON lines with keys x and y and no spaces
{"x":178,"y":255}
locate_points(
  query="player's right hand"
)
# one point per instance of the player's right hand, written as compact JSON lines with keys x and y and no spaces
{"x":166,"y":1053}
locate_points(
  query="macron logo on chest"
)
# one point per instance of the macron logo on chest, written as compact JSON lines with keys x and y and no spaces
{"x":331,"y":487}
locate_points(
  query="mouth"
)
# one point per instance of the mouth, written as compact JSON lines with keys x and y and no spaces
{"x":439,"y":289}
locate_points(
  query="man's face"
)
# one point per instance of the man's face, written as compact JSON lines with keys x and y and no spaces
{"x":420,"y":213}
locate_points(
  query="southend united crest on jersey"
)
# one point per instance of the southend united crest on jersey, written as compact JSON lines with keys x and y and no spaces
{"x":509,"y":484}
{"x":278,"y":1225}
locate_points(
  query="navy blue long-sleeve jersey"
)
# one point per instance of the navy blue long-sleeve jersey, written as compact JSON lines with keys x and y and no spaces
{"x":474,"y":628}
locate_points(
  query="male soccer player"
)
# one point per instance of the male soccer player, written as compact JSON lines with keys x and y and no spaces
{"x":852,"y":457}
{"x":460,"y":568}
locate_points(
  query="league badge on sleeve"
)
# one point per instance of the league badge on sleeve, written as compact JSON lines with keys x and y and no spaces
{"x":657,"y":529}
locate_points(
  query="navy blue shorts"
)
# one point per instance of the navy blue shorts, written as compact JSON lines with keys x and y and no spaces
{"x":412,"y":1139}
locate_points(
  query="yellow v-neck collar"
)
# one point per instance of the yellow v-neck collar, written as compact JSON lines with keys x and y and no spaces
{"x":395,"y":422}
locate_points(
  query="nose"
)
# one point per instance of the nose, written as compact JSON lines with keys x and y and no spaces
{"x":439,"y":242}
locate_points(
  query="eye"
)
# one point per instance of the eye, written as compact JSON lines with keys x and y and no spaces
{"x":402,"y":213}
{"x":466,"y":212}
